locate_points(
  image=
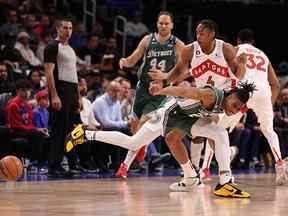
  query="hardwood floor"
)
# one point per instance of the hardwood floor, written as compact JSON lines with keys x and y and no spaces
{"x":140,"y":197}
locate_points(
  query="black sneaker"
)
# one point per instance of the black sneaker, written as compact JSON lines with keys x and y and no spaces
{"x":59,"y":172}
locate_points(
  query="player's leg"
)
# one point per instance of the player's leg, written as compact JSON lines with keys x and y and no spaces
{"x":225,"y":122}
{"x":196,"y":149}
{"x":179,"y":151}
{"x":222,"y":153}
{"x":208,"y":156}
{"x":144,"y":136}
{"x":141,"y":109}
{"x":265,"y":118}
{"x":131,"y":155}
{"x":176,"y":125}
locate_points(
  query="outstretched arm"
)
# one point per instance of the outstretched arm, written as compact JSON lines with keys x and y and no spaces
{"x":206,"y":96}
{"x":138,"y":53}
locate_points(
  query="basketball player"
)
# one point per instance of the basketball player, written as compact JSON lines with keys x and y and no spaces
{"x":212,"y":63}
{"x":159,"y":51}
{"x":260,"y":71}
{"x":189,"y":116}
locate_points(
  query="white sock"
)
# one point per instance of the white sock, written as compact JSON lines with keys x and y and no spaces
{"x":196,"y":150}
{"x":208,"y":156}
{"x":225,"y":177}
{"x":90,"y":135}
{"x":188,"y":170}
{"x":130,"y":156}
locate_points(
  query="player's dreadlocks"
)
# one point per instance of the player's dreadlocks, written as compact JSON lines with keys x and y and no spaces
{"x":243,"y":91}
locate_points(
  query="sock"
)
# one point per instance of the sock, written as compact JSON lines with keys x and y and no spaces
{"x":225,"y":177}
{"x":90,"y":135}
{"x":130,"y":158}
{"x":188,"y":170}
{"x":196,"y":150}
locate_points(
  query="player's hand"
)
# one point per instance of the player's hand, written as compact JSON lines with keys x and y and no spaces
{"x":156,"y":74}
{"x":123,"y":63}
{"x":155,"y":87}
{"x":242,"y":58}
{"x":56,"y":103}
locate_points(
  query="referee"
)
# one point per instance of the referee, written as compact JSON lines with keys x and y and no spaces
{"x":62,"y":81}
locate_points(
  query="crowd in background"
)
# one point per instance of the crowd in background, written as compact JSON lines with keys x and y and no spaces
{"x":107,"y":92}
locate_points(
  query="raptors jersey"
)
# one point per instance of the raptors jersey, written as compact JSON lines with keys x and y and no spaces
{"x":211,"y":69}
{"x":256,"y":66}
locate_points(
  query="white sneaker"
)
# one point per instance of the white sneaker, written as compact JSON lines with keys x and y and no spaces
{"x":186,"y":184}
{"x":281,"y":173}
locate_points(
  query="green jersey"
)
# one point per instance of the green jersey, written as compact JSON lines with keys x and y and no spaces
{"x":157,"y":56}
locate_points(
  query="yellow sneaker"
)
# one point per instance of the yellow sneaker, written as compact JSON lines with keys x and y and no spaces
{"x":75,"y":137}
{"x":230,"y":189}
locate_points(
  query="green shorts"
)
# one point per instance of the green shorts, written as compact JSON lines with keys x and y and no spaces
{"x":144,"y":103}
{"x":175,"y":118}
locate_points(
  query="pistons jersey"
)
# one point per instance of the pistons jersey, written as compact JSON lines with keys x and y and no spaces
{"x":211,"y":69}
{"x":256,"y":66}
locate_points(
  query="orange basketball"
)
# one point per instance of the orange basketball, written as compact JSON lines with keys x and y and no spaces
{"x":11,"y":168}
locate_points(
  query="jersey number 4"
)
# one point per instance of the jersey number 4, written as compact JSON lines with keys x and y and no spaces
{"x":158,"y":65}
{"x":255,"y":62}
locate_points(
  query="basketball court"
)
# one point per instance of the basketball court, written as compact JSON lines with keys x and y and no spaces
{"x":37,"y":195}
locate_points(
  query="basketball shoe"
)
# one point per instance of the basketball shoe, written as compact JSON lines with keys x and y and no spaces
{"x":186,"y":184}
{"x":230,"y":189}
{"x":281,"y":172}
{"x":75,"y":137}
{"x":122,"y":171}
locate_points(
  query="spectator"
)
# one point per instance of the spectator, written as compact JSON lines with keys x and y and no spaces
{"x":87,"y":118}
{"x":43,"y":26}
{"x":11,"y":26}
{"x":79,"y":36}
{"x":40,"y":113}
{"x":6,"y":84}
{"x":107,"y":111}
{"x":91,"y":53}
{"x":24,"y":48}
{"x":46,"y":38}
{"x":9,"y":54}
{"x":135,"y":30}
{"x":35,"y":79}
{"x":28,"y":26}
{"x":19,"y":120}
{"x":110,"y":59}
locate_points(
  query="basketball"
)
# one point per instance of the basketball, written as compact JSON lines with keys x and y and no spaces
{"x":11,"y":168}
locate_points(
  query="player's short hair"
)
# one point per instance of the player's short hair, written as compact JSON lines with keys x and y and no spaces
{"x":246,"y":35}
{"x":167,"y":13}
{"x":63,"y":19}
{"x":210,"y":24}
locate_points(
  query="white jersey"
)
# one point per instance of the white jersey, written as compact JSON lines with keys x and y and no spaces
{"x":211,"y":69}
{"x":256,"y":66}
